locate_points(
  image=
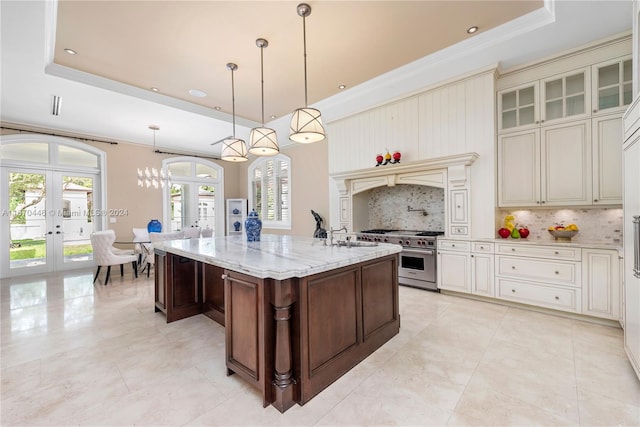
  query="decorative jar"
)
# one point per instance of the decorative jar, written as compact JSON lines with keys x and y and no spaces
{"x":154,"y":226}
{"x":253,"y":226}
{"x":236,"y":226}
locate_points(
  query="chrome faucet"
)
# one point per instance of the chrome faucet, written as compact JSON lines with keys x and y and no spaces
{"x":331,"y":231}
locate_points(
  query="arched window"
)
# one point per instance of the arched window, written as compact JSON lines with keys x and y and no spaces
{"x":270,"y":190}
{"x":196,"y":194}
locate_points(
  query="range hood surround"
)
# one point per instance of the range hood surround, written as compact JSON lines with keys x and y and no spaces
{"x":450,"y":173}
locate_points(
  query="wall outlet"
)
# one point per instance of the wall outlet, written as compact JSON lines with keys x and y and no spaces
{"x":113,"y":219}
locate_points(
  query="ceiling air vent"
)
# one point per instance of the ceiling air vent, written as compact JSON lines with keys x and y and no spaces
{"x":55,"y":105}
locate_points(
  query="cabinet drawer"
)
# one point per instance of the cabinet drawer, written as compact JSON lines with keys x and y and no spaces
{"x":454,"y":245}
{"x":482,"y":247}
{"x":558,"y":298}
{"x":564,"y":273}
{"x":562,"y":253}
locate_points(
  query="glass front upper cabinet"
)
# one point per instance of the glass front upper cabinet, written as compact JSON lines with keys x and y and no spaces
{"x":518,"y":106}
{"x":612,"y":85}
{"x":565,"y":96}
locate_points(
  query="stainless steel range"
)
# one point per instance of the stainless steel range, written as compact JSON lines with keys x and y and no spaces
{"x":418,"y":257}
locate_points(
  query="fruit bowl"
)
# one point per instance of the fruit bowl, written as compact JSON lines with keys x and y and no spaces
{"x":563,"y":234}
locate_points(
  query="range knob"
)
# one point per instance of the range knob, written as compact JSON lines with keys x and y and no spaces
{"x":386,"y":240}
{"x":407,"y":242}
{"x":400,"y":242}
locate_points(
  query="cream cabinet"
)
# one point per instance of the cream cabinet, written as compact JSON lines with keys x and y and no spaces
{"x":549,"y":166}
{"x":454,"y":268}
{"x":538,"y":275}
{"x":601,"y":283}
{"x":236,"y":214}
{"x":612,"y":85}
{"x":552,"y":99}
{"x":607,"y":141}
{"x":482,"y":270}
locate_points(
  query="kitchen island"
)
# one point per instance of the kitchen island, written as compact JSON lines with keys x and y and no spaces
{"x":298,"y":314}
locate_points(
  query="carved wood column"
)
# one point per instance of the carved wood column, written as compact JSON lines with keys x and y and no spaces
{"x":283,"y":382}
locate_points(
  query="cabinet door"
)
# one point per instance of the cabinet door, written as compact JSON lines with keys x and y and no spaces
{"x":454,"y":271}
{"x":518,"y":107}
{"x":601,"y":283}
{"x":213,"y":292}
{"x":519,"y":169}
{"x":564,"y":96}
{"x":566,"y":164}
{"x":612,"y":84}
{"x":182,"y":288}
{"x":607,"y":160}
{"x":482,"y":277}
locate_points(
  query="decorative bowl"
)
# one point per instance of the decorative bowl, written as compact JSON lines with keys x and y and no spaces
{"x":563,"y":234}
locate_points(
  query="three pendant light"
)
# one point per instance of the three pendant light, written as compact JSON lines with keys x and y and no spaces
{"x":306,"y":123}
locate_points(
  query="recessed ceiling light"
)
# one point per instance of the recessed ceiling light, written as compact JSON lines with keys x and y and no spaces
{"x":342,"y":87}
{"x":155,"y":89}
{"x":197,"y":93}
{"x":217,"y":108}
{"x":71,"y":51}
{"x":472,"y":30}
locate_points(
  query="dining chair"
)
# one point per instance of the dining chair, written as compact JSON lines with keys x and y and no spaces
{"x":159,"y":237}
{"x":142,"y":246}
{"x":104,"y":255}
{"x":191,"y":232}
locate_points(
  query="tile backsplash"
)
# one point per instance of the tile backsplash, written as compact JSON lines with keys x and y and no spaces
{"x":388,"y":207}
{"x":602,"y":225}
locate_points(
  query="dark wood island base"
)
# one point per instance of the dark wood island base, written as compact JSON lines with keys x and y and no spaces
{"x":292,"y":338}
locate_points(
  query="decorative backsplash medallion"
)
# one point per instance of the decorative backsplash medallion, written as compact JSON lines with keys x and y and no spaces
{"x":597,"y":225}
{"x":388,"y":207}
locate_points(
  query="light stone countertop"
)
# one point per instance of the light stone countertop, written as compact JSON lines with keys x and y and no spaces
{"x":576,"y":243}
{"x":275,"y":256}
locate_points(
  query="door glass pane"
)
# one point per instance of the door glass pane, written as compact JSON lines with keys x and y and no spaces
{"x":526,"y":116}
{"x":508,"y":100}
{"x":627,"y":94}
{"x":509,"y":119}
{"x":609,"y":98}
{"x":27,"y":151}
{"x":526,"y":96}
{"x":180,"y":169}
{"x":76,"y":157}
{"x":27,"y":219}
{"x":206,"y":207}
{"x":76,"y":222}
{"x":626,"y":71}
{"x":554,"y":109}
{"x":553,"y":89}
{"x":179,"y":206}
{"x":575,"y":84}
{"x":204,"y":171}
{"x":575,"y":105}
{"x":608,"y":75}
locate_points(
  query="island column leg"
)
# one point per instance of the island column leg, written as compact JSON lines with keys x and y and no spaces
{"x":283,"y":381}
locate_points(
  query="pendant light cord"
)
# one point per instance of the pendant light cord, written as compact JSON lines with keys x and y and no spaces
{"x":233,"y":103}
{"x":262,"y":79}
{"x":304,"y":42}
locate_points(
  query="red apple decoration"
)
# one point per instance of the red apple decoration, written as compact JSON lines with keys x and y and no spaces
{"x":396,"y":157}
{"x":504,"y":232}
{"x":379,"y":159}
{"x":524,"y":232}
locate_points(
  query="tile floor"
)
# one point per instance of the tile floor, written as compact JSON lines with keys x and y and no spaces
{"x":74,"y":353}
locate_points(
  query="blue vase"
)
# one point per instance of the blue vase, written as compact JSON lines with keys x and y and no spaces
{"x":253,"y":226}
{"x":154,"y":226}
{"x":236,"y":226}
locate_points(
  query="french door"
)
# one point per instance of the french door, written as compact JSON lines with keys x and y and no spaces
{"x":47,"y":218}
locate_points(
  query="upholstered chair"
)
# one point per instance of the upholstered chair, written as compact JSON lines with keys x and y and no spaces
{"x":207,"y":232}
{"x":142,"y":247}
{"x":191,"y":232}
{"x":159,"y":237}
{"x":104,"y":255}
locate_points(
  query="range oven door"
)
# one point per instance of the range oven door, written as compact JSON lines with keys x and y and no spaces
{"x":418,"y":268}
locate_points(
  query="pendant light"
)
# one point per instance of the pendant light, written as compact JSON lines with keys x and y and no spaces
{"x":306,"y":123}
{"x":262,"y":140}
{"x":233,"y":149}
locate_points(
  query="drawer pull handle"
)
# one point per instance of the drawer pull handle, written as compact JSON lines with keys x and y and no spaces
{"x":224,"y":276}
{"x":513,"y":249}
{"x":557,"y":272}
{"x":513,"y":267}
{"x":557,"y":298}
{"x":453,"y":245}
{"x":481,"y":247}
{"x":556,"y":252}
{"x":513,"y":290}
